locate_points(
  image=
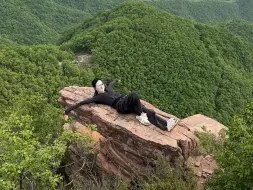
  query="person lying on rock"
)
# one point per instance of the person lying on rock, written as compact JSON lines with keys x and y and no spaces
{"x":124,"y":104}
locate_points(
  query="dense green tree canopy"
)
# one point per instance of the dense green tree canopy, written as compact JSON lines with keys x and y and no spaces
{"x":31,"y":132}
{"x":208,"y":11}
{"x":34,"y":22}
{"x":181,"y":66}
{"x":235,"y":160}
{"x":242,"y":28}
{"x":37,"y":69}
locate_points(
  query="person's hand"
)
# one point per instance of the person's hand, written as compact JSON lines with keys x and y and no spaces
{"x":66,"y":117}
{"x":118,"y":80}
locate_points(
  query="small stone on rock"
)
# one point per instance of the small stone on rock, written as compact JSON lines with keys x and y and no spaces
{"x":204,"y":175}
{"x":207,"y":171}
{"x":199,"y":174}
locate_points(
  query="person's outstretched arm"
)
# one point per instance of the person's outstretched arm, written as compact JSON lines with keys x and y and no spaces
{"x":111,"y":85}
{"x":87,"y":101}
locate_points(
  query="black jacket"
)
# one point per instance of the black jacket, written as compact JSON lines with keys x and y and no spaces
{"x":108,"y":98}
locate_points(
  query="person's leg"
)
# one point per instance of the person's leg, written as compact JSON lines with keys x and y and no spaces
{"x":121,"y":106}
{"x":159,"y":121}
{"x":154,"y":119}
{"x":132,"y":104}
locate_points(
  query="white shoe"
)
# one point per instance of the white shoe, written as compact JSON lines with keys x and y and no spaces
{"x":171,"y":123}
{"x":143,"y":119}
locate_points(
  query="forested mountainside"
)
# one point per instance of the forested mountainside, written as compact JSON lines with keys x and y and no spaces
{"x":181,"y":66}
{"x":33,"y":75}
{"x":36,"y":69}
{"x":242,"y":28}
{"x":32,"y":139}
{"x":34,"y":22}
{"x":208,"y":11}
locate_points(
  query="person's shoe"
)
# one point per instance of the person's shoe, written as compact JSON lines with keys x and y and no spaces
{"x":171,"y":123}
{"x":143,"y":119}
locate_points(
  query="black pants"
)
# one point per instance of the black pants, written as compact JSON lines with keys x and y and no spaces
{"x":132,"y":104}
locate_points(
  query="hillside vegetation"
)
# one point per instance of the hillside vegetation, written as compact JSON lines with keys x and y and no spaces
{"x":242,"y":28}
{"x":34,"y":22}
{"x":36,"y":69}
{"x":181,"y":66}
{"x":32,"y":139}
{"x":208,"y":11}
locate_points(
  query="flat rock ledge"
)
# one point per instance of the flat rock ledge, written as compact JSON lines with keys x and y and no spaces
{"x":127,"y":147}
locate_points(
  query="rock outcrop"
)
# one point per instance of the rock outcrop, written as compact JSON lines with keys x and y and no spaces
{"x":203,"y":167}
{"x":127,"y":147}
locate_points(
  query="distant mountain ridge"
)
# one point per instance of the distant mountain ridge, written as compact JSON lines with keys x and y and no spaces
{"x":34,"y":21}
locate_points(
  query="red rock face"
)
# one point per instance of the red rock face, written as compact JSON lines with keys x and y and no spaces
{"x":127,"y":146}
